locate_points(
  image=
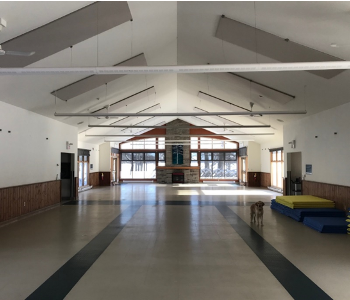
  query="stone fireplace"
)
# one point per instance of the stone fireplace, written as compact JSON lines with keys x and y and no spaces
{"x":165,"y":174}
{"x":178,"y":178}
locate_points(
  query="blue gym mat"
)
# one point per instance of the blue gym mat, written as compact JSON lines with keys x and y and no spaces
{"x":326,"y":224}
{"x":299,"y":214}
{"x":277,"y":206}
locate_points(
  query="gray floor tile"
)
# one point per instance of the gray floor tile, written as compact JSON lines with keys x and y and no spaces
{"x":166,"y":252}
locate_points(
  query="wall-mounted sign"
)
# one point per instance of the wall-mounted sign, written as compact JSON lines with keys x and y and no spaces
{"x":308,"y":169}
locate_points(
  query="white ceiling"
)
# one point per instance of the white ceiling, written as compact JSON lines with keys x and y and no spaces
{"x":171,"y":33}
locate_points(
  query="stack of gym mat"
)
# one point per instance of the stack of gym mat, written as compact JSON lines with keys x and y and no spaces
{"x":304,"y":201}
{"x":298,"y":214}
{"x":314,"y":212}
{"x":326,"y":224}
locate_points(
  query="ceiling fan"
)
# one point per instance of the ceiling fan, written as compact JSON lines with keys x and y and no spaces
{"x":18,"y":53}
{"x":105,"y":107}
{"x":251,"y":109}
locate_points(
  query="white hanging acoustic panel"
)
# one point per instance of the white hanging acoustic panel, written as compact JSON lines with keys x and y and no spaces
{"x":64,"y":32}
{"x":89,"y":83}
{"x":272,"y":46}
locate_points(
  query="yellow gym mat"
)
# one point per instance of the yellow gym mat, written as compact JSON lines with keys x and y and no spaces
{"x":304,"y":201}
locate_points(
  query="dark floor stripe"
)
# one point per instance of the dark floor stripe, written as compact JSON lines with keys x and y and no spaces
{"x":298,"y":285}
{"x":63,"y":280}
{"x":160,"y":202}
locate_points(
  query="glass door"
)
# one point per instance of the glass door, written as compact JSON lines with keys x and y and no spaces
{"x":81,"y":177}
{"x":83,"y":169}
{"x":244,"y":169}
{"x":114,"y":169}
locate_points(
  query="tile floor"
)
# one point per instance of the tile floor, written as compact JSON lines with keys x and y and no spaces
{"x":167,"y":251}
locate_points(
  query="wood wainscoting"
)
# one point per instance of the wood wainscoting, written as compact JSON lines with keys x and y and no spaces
{"x":104,"y":180}
{"x":337,"y":193}
{"x":261,"y":179}
{"x":254,"y":179}
{"x":265,"y":179}
{"x":94,"y":179}
{"x":17,"y":201}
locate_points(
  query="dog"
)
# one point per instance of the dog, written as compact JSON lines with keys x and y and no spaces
{"x":257,"y":212}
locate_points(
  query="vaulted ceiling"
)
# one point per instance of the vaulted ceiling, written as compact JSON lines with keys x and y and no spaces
{"x":175,"y":33}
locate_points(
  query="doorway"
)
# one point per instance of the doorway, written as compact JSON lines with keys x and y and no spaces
{"x":294,"y":173}
{"x":67,"y":176}
{"x":83,"y":170}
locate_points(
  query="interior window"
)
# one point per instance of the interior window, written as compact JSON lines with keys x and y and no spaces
{"x":277,"y":169}
{"x":218,"y":165}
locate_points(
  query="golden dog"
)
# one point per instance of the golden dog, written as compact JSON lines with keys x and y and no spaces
{"x":257,"y":212}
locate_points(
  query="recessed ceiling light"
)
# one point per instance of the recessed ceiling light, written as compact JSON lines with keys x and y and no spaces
{"x":279,"y":120}
{"x":334,"y":45}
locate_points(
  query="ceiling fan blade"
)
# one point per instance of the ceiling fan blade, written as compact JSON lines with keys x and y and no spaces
{"x":19,"y":53}
{"x":253,"y":115}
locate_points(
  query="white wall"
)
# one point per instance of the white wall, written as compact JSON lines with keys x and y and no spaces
{"x":105,"y":157}
{"x":254,"y":157}
{"x":94,"y":155}
{"x":25,"y":154}
{"x":329,"y":153}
